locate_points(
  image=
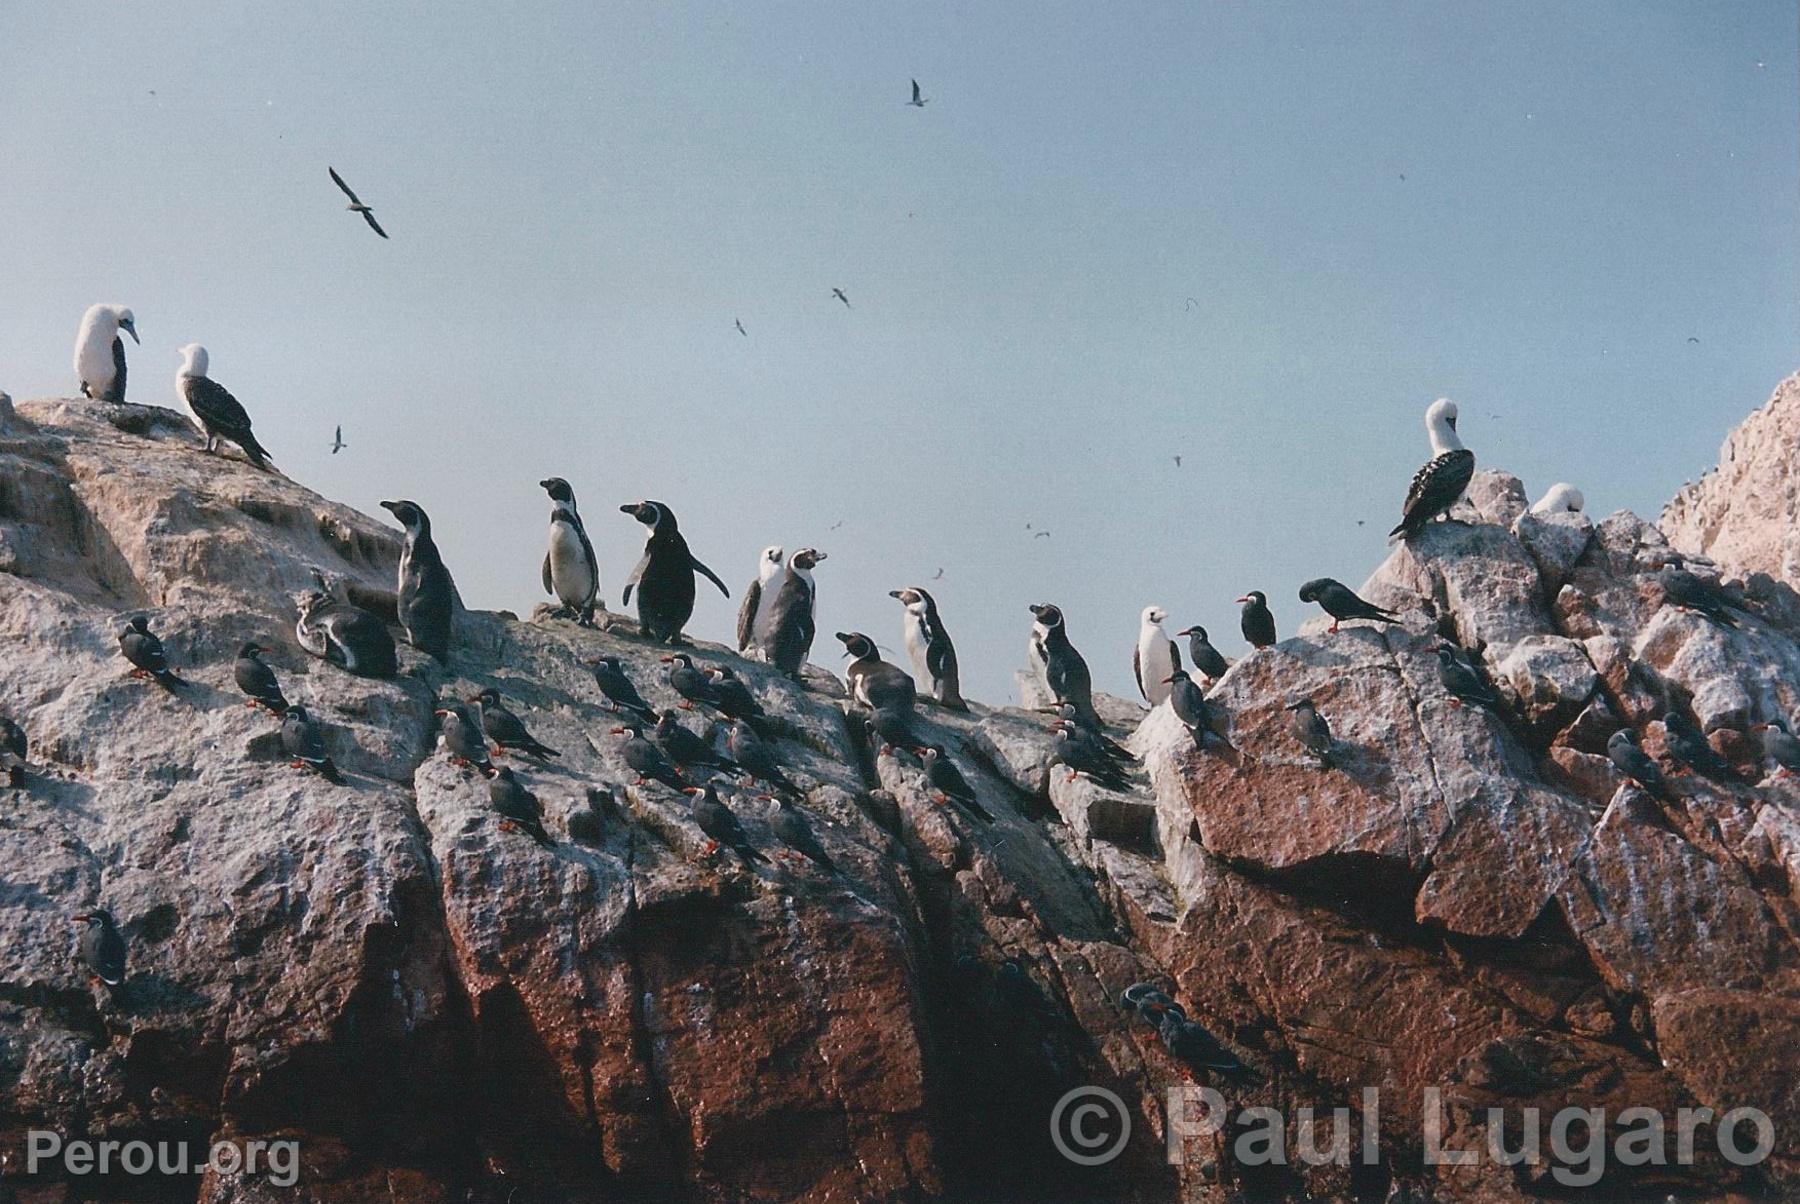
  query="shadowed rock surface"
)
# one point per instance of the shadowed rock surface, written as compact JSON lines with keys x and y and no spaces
{"x":1469,"y":901}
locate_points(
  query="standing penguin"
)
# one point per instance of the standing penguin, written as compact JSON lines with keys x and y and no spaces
{"x":785,"y":633}
{"x":1257,"y":622}
{"x":1207,"y":659}
{"x":345,"y":634}
{"x":873,"y":682}
{"x":426,"y":593}
{"x":1061,"y":668}
{"x":100,"y":353}
{"x":759,"y":597}
{"x":929,"y":647}
{"x":571,"y":570}
{"x":216,"y":412}
{"x":664,"y":578}
{"x":1155,"y":658}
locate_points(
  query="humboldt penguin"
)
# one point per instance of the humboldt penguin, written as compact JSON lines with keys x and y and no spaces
{"x":427,"y":595}
{"x":302,"y":741}
{"x":609,"y":675}
{"x":664,"y":578}
{"x":145,"y":652}
{"x":1256,"y":621}
{"x":345,"y":635}
{"x":102,"y":947}
{"x":463,"y":738}
{"x":1154,"y":657}
{"x":942,"y":775}
{"x":721,"y":825}
{"x":571,"y":570}
{"x":758,"y":598}
{"x":257,"y":680}
{"x":785,"y":631}
{"x":518,"y":808}
{"x":506,"y":729}
{"x":1341,"y":603}
{"x":1440,"y":483}
{"x":216,"y":412}
{"x":1206,"y":658}
{"x":1311,"y":730}
{"x":1623,"y":751}
{"x":100,"y":353}
{"x":645,"y":759}
{"x":873,"y":682}
{"x":1059,"y":667}
{"x":928,"y":646}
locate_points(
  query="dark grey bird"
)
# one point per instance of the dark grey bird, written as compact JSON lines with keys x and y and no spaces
{"x":518,"y":808}
{"x":839,"y":294}
{"x":1206,"y":658}
{"x":609,"y":675}
{"x":1077,"y":751}
{"x":918,"y":101}
{"x":1779,"y":746}
{"x":664,"y":578}
{"x":646,"y":760}
{"x":1256,"y":621}
{"x":590,"y":825}
{"x":947,"y":780}
{"x":689,"y":682}
{"x":721,"y":824}
{"x":1462,"y":680}
{"x":426,"y":593}
{"x":12,"y":752}
{"x":753,"y":756}
{"x":145,"y":652}
{"x":1145,"y":999}
{"x":257,"y":680}
{"x":463,"y":738}
{"x":1441,"y":482}
{"x":1688,"y":747}
{"x":791,"y":828}
{"x":785,"y":629}
{"x":732,"y":697}
{"x":1341,"y":603}
{"x":345,"y":635}
{"x":337,"y":440}
{"x":1188,"y":701}
{"x":1191,"y":1044}
{"x":1059,"y":666}
{"x":1632,"y":761}
{"x":506,"y":729}
{"x":1683,"y":589}
{"x":302,"y":741}
{"x":102,"y":947}
{"x":218,"y":414}
{"x":1311,"y":730}
{"x":1118,"y":752}
{"x":874,"y":682}
{"x":683,"y":747}
{"x":355,"y":205}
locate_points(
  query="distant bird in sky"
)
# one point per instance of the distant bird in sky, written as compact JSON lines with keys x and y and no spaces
{"x":919,"y":102}
{"x":940,"y":575}
{"x":337,"y":441}
{"x":356,"y":206}
{"x":1041,"y":535}
{"x":1692,"y":339}
{"x":738,"y":322}
{"x":839,"y":294}
{"x":1178,"y":461}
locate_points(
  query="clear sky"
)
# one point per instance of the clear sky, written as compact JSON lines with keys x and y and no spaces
{"x":1260,"y":236}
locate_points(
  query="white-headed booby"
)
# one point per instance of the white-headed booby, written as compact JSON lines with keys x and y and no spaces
{"x":758,"y":598}
{"x":1437,"y":486}
{"x":1155,"y":657}
{"x":216,"y":412}
{"x":100,"y":353}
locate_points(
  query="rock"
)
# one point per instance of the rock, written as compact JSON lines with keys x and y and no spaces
{"x":1745,"y":514}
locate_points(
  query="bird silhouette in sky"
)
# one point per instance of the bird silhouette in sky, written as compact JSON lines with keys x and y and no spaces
{"x":839,"y":294}
{"x":918,"y":102}
{"x":356,"y":206}
{"x":739,"y":323}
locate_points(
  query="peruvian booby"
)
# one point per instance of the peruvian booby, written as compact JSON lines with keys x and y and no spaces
{"x":1437,"y":486}
{"x":463,"y":738}
{"x":928,"y":646}
{"x":1779,"y":746}
{"x":1341,"y":603}
{"x":918,"y":101}
{"x":139,"y":645}
{"x":785,"y":632}
{"x":518,"y":808}
{"x":1462,"y":681}
{"x":100,"y":353}
{"x":345,"y":635}
{"x":664,"y":578}
{"x":257,"y":680}
{"x":506,"y":729}
{"x":302,"y":740}
{"x":217,"y":414}
{"x":1623,"y":751}
{"x":1561,"y":498}
{"x":1059,"y":666}
{"x":426,"y":593}
{"x":1154,"y":657}
{"x":721,"y":824}
{"x":873,"y":682}
{"x":1208,"y":660}
{"x":758,"y":597}
{"x":1688,"y":747}
{"x":571,"y":570}
{"x":1311,"y":730}
{"x":102,"y":947}
{"x":1256,"y":620}
{"x":355,"y":205}
{"x":942,"y":775}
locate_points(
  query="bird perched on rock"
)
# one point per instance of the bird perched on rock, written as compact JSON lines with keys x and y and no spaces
{"x":1154,"y":657}
{"x":664,"y":578}
{"x":506,"y":729}
{"x":731,"y":696}
{"x":785,"y":631}
{"x":145,"y":652}
{"x":891,"y":728}
{"x":1311,"y":730}
{"x":683,"y":747}
{"x":689,"y":682}
{"x":1560,"y":498}
{"x":1441,"y":482}
{"x":518,"y":808}
{"x":1206,"y":658}
{"x":571,"y":570}
{"x":463,"y":738}
{"x":748,"y":751}
{"x":100,"y":352}
{"x":1683,"y":589}
{"x":1076,"y":750}
{"x":13,"y":763}
{"x":1118,"y":752}
{"x":759,"y":597}
{"x":1256,"y":621}
{"x":873,"y":682}
{"x":942,"y":775}
{"x":790,"y":826}
{"x":721,"y":824}
{"x":1462,"y":681}
{"x":1145,"y":1000}
{"x":1779,"y":746}
{"x":1688,"y":747}
{"x":426,"y":593}
{"x":102,"y":948}
{"x":1190,"y":1043}
{"x":345,"y":635}
{"x":1059,"y":666}
{"x":1341,"y":603}
{"x":609,"y":675}
{"x":1188,"y":701}
{"x":302,"y":740}
{"x":929,"y":648}
{"x":1632,"y":761}
{"x":257,"y":680}
{"x":645,"y":759}
{"x":216,"y":412}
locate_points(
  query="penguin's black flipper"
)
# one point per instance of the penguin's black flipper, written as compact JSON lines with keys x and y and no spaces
{"x":708,"y":574}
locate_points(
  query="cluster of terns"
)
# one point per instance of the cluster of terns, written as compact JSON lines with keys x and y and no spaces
{"x":776,"y":626}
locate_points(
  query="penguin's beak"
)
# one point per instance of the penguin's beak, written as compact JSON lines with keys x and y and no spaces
{"x":391,"y":507}
{"x":895,"y":593}
{"x":544,"y":484}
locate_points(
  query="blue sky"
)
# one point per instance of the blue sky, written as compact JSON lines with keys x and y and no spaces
{"x":1262,"y":237}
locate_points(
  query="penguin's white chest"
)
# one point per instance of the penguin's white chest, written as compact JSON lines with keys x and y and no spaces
{"x":917,"y":646}
{"x":570,"y":573}
{"x":1156,"y":662}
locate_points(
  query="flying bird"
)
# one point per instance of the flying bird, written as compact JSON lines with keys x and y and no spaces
{"x":940,"y":575}
{"x":337,"y":441}
{"x":1178,"y":461}
{"x":918,"y":102}
{"x":738,"y":322}
{"x":839,"y":294}
{"x":356,"y":206}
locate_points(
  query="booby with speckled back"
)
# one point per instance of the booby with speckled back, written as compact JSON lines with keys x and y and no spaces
{"x":1440,"y":483}
{"x":216,"y":412}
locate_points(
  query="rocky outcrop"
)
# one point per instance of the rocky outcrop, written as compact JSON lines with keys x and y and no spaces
{"x":1466,"y":906}
{"x":1744,"y":514}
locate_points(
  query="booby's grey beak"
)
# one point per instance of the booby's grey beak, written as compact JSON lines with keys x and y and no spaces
{"x":130,"y":328}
